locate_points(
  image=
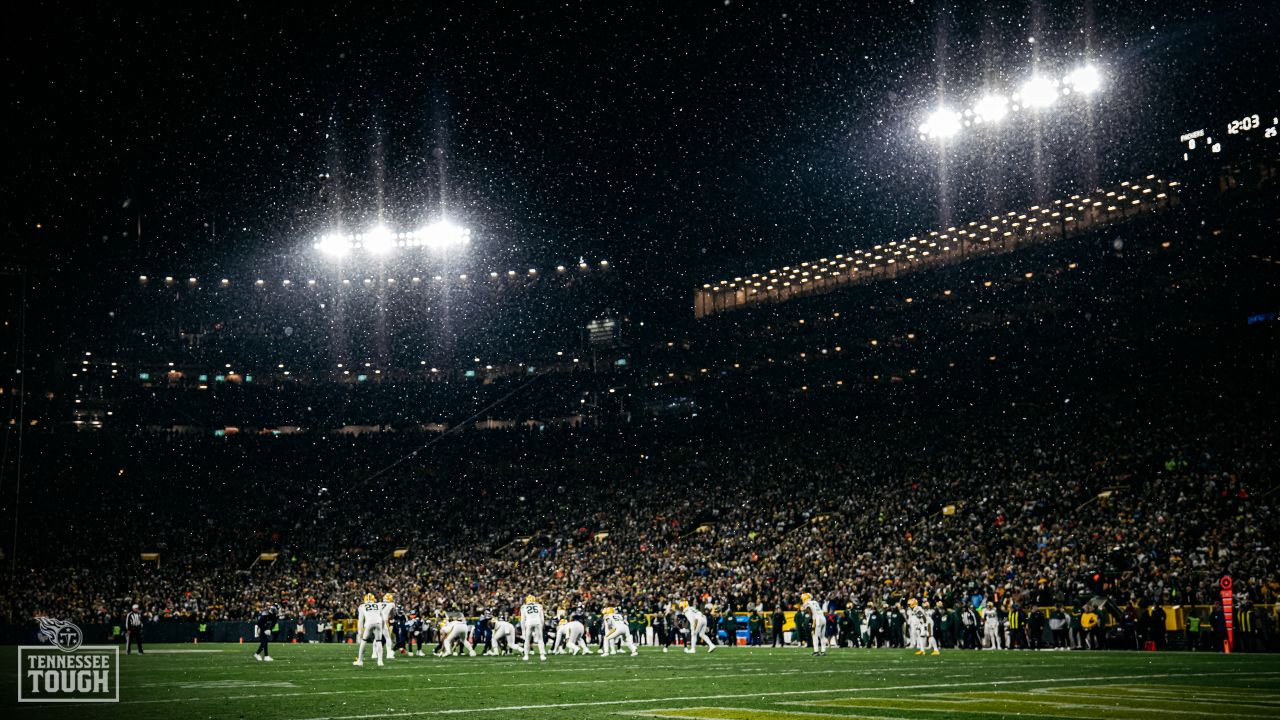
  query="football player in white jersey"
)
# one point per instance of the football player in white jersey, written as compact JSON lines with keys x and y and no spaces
{"x":819,"y":625}
{"x":991,"y":625}
{"x":697,"y":627}
{"x":561,"y":643}
{"x":388,"y":606}
{"x":911,"y":631}
{"x":504,"y":637}
{"x":616,"y":632}
{"x":577,"y":638}
{"x":531,"y":619}
{"x":371,"y":626}
{"x":456,"y":631}
{"x":922,"y":627}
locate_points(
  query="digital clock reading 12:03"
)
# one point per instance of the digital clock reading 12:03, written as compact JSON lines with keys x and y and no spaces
{"x":1245,"y":124}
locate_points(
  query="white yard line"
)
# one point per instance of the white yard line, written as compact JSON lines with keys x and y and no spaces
{"x":598,"y":681}
{"x":673,"y":713}
{"x":192,"y":651}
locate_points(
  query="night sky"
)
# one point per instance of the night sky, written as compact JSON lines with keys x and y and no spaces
{"x":706,"y":135}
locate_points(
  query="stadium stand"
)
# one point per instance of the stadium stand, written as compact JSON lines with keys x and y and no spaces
{"x":1090,"y":417}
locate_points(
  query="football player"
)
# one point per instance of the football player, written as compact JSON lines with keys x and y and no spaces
{"x":578,"y":638}
{"x":561,"y":643}
{"x":455,"y":631}
{"x":371,"y":626}
{"x":991,"y":624}
{"x":922,"y":627}
{"x":697,"y":627}
{"x":417,"y":634}
{"x":262,"y":629}
{"x":616,"y":632}
{"x":531,"y":624}
{"x":389,"y":611}
{"x":503,"y":638}
{"x":819,"y":627}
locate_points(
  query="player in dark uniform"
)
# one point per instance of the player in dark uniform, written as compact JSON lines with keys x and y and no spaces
{"x":262,"y":628}
{"x":483,"y":631}
{"x":670,"y":628}
{"x":417,"y":634}
{"x":399,"y":631}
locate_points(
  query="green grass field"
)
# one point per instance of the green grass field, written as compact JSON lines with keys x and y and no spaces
{"x":319,"y":682}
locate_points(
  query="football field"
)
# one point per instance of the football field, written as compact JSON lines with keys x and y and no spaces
{"x":318,"y":682}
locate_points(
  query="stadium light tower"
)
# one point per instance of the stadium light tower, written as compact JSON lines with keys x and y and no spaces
{"x":381,"y":241}
{"x":1035,"y":94}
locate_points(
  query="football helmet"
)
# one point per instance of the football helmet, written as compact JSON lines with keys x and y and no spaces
{"x":531,"y":598}
{"x":912,"y":603}
{"x":805,"y":597}
{"x":370,"y":597}
{"x":389,"y":597}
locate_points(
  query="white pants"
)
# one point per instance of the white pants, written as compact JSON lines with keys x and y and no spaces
{"x":577,"y":638}
{"x":618,"y":635}
{"x":459,"y":634}
{"x":533,"y":631}
{"x":820,"y":633}
{"x":925,"y":639}
{"x":562,"y":639}
{"x":376,"y":634}
{"x":697,"y":631}
{"x":991,"y":631}
{"x":504,"y":634}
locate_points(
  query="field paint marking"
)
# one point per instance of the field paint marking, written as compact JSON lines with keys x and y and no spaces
{"x":763,"y":713}
{"x":353,"y":691}
{"x":233,"y":684}
{"x":1130,"y":692}
{"x":1037,"y":696}
{"x":1042,"y":709}
{"x":1049,"y":701}
{"x":184,"y":652}
{"x":774,"y":693}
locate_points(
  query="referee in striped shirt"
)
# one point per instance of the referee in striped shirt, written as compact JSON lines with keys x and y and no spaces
{"x":133,"y":631}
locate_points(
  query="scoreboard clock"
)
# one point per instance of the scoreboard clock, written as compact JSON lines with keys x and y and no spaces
{"x":1238,"y":137}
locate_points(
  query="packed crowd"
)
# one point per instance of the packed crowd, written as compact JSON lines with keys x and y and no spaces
{"x":1141,"y":476}
{"x":1033,"y":513}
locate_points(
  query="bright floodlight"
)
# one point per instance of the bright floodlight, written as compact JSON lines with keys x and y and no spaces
{"x":992,"y":108}
{"x":1084,"y":80}
{"x":1039,"y":93}
{"x":333,"y":245}
{"x":942,"y":123}
{"x":443,"y":234}
{"x":379,"y":240}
